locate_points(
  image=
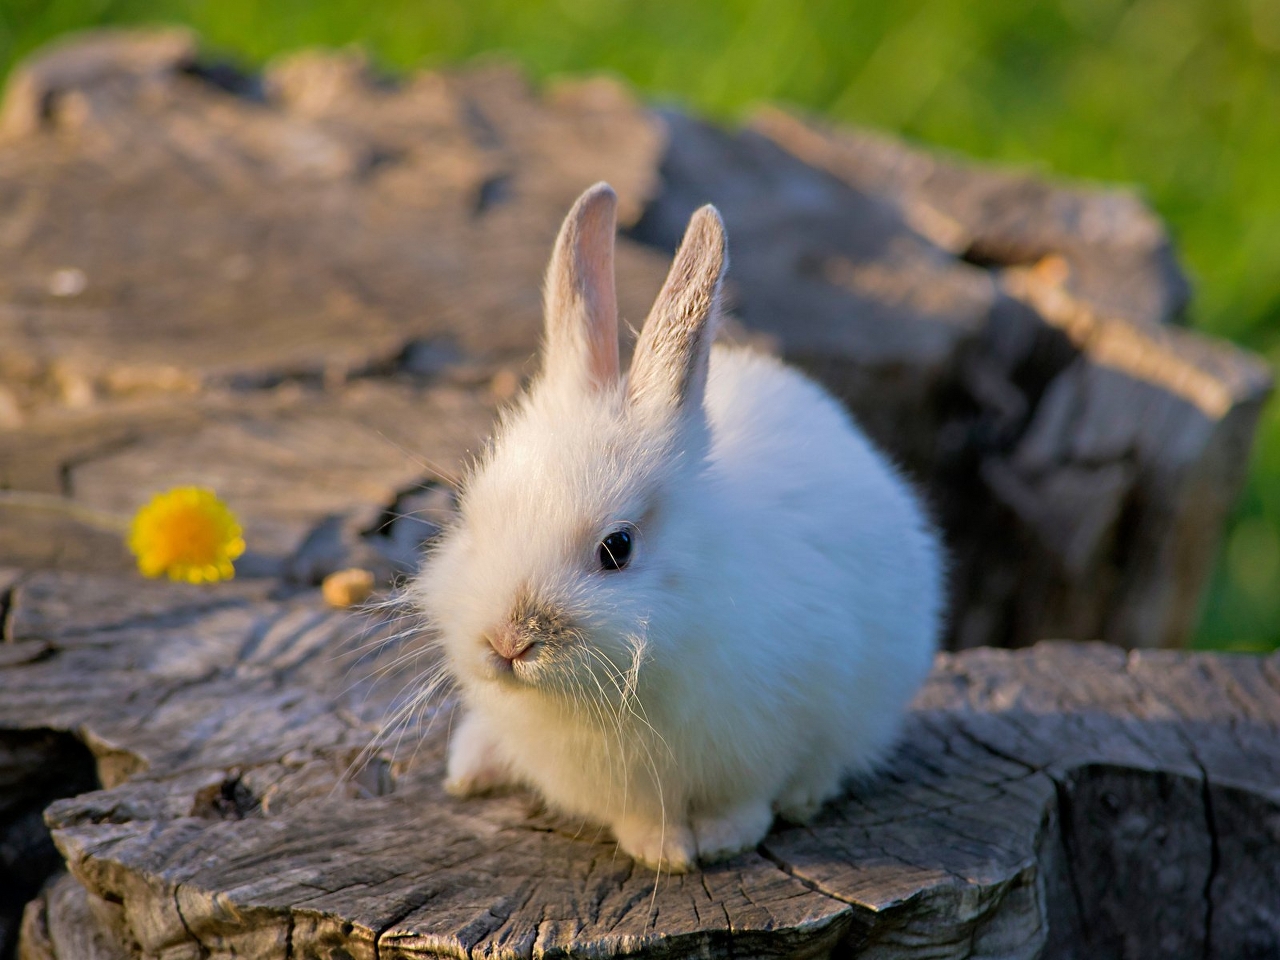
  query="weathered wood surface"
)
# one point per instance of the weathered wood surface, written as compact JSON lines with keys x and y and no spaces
{"x":1011,"y":342}
{"x":312,"y":290}
{"x":1063,"y":801}
{"x":216,"y":277}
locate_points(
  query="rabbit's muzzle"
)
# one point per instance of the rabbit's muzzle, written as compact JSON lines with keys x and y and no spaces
{"x":531,"y":628}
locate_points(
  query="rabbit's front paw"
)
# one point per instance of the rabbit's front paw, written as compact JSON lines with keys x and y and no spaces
{"x":802,"y":799}
{"x":475,"y":782}
{"x":739,"y":829}
{"x":474,"y":764}
{"x":661,"y":847}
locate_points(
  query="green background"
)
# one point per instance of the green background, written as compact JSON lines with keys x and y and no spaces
{"x":1180,"y":98}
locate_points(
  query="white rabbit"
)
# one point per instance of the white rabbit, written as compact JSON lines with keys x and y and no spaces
{"x":680,"y":601}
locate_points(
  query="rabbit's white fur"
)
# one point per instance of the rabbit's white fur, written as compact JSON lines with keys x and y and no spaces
{"x":780,"y":607}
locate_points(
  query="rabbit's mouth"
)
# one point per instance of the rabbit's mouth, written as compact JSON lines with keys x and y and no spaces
{"x":513,"y":659}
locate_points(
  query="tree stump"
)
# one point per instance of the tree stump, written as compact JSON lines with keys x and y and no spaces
{"x":1063,"y":801}
{"x":202,"y":269}
{"x":312,"y":289}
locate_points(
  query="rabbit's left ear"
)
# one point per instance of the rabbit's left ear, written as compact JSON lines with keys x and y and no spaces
{"x":669,"y":369}
{"x":581,"y":305}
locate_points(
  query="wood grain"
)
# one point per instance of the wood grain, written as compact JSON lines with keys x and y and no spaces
{"x":312,"y":287}
{"x":1063,"y":801}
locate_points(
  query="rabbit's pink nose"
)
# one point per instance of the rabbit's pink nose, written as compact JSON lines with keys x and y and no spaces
{"x":510,"y":645}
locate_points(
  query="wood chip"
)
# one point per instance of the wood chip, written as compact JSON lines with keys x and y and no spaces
{"x":347,"y":588}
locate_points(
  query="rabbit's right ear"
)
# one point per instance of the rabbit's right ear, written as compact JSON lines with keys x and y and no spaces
{"x":580,"y":303}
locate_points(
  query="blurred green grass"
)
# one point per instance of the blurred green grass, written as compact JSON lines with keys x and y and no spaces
{"x":1180,"y":98}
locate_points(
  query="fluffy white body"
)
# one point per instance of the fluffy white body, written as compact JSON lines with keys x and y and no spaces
{"x":777,"y":610}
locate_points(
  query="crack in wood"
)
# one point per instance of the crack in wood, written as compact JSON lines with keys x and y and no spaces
{"x":6,"y":610}
{"x":1214,"y":861}
{"x":958,"y":725}
{"x":177,"y":906}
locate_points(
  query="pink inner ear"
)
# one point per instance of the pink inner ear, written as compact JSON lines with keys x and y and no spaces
{"x":582,"y":306}
{"x":593,"y":255}
{"x":601,"y":304}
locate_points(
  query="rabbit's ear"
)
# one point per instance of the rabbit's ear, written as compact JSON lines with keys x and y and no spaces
{"x":580,"y":303}
{"x":669,"y":369}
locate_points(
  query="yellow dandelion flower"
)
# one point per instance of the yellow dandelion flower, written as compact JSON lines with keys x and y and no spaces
{"x":187,"y":533}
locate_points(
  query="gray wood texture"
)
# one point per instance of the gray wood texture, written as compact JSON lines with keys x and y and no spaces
{"x":313,"y":288}
{"x":254,"y":281}
{"x":1062,"y":801}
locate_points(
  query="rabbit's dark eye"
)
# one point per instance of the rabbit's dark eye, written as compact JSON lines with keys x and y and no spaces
{"x":615,"y":550}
